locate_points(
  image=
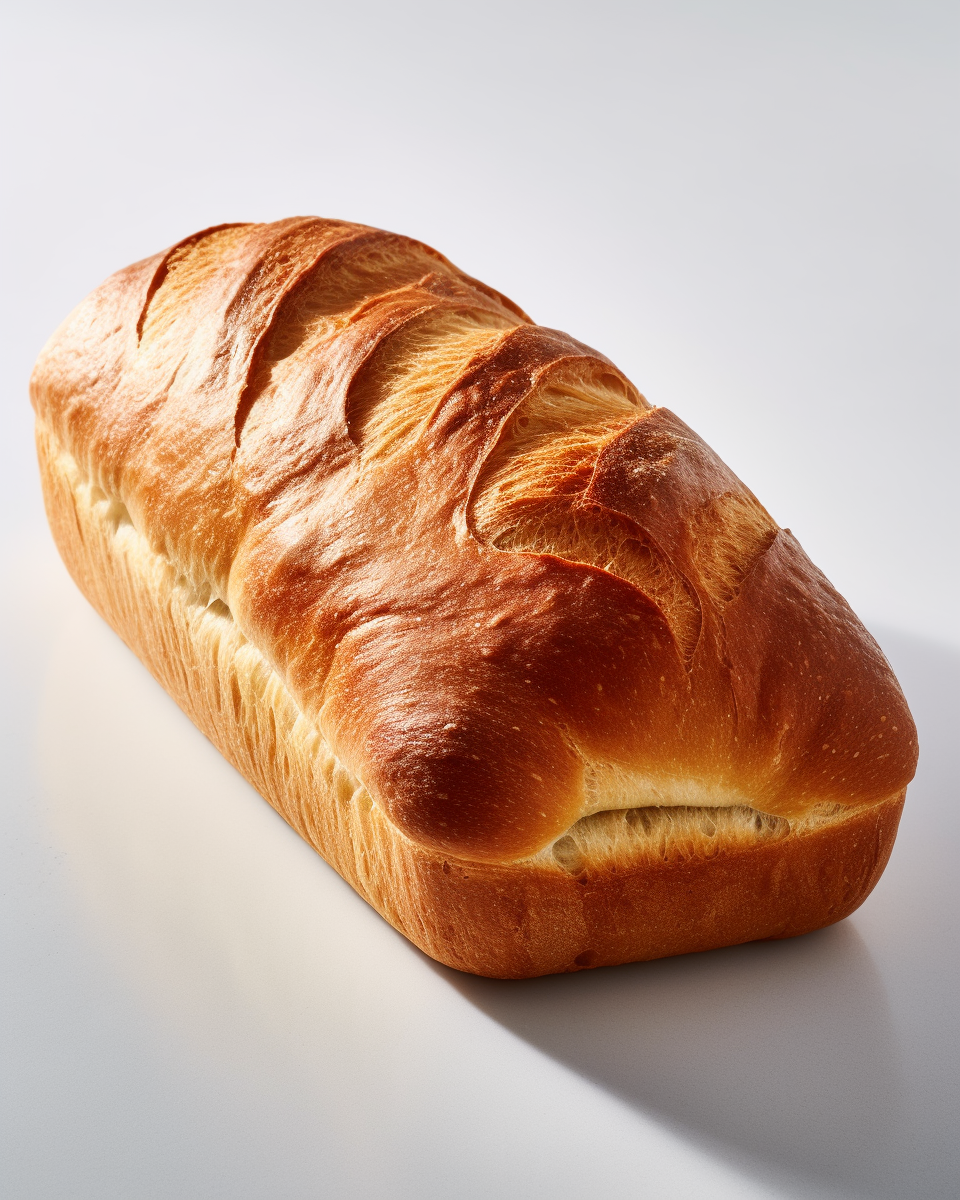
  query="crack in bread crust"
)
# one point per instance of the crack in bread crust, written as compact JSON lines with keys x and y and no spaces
{"x":610,"y":862}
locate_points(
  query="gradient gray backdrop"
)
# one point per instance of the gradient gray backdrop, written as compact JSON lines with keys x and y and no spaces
{"x":751,"y":207}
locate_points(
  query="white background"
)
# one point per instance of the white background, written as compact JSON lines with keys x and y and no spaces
{"x":751,"y":208}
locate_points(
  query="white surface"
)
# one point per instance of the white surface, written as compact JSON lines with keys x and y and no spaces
{"x":750,"y":207}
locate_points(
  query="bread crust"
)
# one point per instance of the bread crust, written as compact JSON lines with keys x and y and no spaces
{"x":268,"y":459}
{"x":505,"y":921}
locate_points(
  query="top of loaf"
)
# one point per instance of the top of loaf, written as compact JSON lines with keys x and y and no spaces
{"x":508,"y":590}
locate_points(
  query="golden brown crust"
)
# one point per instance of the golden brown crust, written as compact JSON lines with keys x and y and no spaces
{"x":621,"y":887}
{"x":338,"y":436}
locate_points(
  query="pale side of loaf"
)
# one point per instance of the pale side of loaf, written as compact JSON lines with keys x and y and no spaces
{"x":512,"y":649}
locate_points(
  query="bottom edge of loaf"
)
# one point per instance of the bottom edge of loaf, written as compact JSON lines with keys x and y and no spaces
{"x":619,"y":887}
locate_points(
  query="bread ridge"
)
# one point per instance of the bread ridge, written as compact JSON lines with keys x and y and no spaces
{"x":593,"y":897}
{"x":473,"y":680}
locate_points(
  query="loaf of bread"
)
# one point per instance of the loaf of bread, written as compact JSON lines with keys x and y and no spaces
{"x":510,"y":647}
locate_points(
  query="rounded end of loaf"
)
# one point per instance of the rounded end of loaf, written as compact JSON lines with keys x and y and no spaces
{"x":519,"y":923}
